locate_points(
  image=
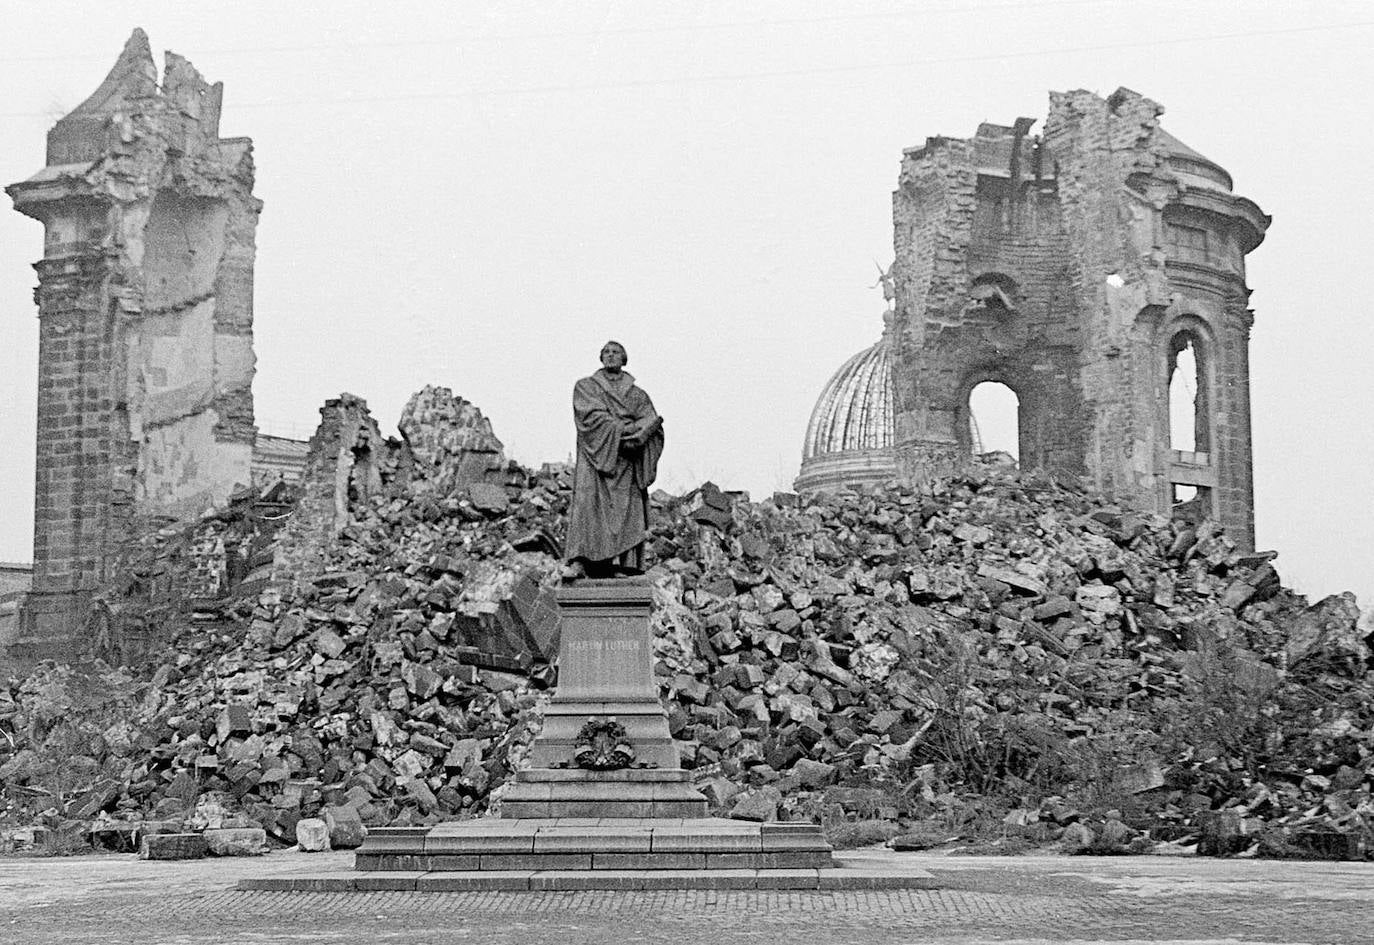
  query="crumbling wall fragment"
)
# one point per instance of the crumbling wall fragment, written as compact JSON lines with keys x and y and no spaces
{"x":450,"y":442}
{"x":145,"y":340}
{"x":348,"y":462}
{"x":1072,"y":267}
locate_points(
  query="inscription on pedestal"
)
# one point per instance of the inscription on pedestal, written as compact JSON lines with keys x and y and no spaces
{"x":605,"y":659}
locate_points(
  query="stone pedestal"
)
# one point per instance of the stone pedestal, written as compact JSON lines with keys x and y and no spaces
{"x":565,"y":827}
{"x":605,"y":670}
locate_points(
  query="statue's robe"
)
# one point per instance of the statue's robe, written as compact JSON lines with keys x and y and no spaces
{"x":610,"y":507}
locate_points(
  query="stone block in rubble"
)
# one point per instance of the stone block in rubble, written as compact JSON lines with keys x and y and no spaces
{"x":861,"y":802}
{"x":760,"y":805}
{"x":450,"y":441}
{"x":329,"y":644}
{"x":1077,"y":836}
{"x":289,"y":628}
{"x":312,"y":834}
{"x":719,"y":791}
{"x":973,"y":534}
{"x":1139,"y":778}
{"x":115,"y":837}
{"x":233,"y":720}
{"x":346,"y":830}
{"x":419,"y":791}
{"x":182,"y":791}
{"x":717,"y":585}
{"x":1055,"y":607}
{"x":884,"y":721}
{"x":465,"y":753}
{"x":1115,"y":834}
{"x":173,"y":846}
{"x":335,"y":579}
{"x":1221,"y":833}
{"x":710,"y":506}
{"x":1328,"y":628}
{"x":924,"y":836}
{"x":813,"y":774}
{"x":489,"y":498}
{"x":1021,"y":583}
{"x":420,"y":680}
{"x":236,"y":841}
{"x":101,"y":796}
{"x":1098,"y":601}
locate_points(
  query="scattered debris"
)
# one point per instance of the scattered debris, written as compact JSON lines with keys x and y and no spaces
{"x":995,"y":653}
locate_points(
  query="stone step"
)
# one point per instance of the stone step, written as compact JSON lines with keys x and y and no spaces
{"x":552,"y":880}
{"x":495,"y":843}
{"x":587,"y":860}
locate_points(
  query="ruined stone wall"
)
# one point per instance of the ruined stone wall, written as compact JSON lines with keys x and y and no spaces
{"x":348,"y":461}
{"x":1097,"y":146}
{"x":1071,"y":268}
{"x":145,"y":326}
{"x":933,"y":214}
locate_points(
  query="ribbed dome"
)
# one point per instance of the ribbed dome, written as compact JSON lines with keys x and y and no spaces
{"x":1195,"y":168}
{"x":855,"y":409}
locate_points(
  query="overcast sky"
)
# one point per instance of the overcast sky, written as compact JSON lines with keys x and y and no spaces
{"x":479,"y":195}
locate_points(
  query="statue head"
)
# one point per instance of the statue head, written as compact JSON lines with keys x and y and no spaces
{"x":613,"y":356}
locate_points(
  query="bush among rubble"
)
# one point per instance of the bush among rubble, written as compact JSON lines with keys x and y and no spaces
{"x":994,"y":649}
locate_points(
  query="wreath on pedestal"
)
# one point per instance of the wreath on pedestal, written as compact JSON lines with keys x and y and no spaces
{"x":602,"y":745}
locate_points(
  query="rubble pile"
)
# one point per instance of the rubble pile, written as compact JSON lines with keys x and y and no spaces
{"x":1007,"y":646}
{"x":996,"y":651}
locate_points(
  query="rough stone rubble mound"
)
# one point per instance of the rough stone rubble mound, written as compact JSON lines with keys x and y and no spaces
{"x":997,"y":654}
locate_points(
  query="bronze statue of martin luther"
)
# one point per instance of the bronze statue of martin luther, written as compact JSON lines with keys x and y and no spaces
{"x":619,"y":441}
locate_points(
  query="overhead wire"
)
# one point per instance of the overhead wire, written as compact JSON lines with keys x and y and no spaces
{"x":918,"y":10}
{"x":779,"y":73}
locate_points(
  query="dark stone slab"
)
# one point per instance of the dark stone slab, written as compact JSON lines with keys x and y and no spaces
{"x":173,"y":846}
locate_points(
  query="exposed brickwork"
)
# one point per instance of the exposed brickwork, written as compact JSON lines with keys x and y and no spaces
{"x":145,"y":327}
{"x":1065,"y":266}
{"x":347,"y":464}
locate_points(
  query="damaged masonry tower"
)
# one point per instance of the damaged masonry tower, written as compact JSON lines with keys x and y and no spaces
{"x":145,"y":306}
{"x":1074,"y":267}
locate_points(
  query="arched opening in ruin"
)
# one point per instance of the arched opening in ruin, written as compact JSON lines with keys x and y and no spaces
{"x":994,"y":419}
{"x":995,"y":293}
{"x":1190,"y":432}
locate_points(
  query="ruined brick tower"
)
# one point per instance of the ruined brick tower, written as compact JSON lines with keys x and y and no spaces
{"x":145,"y":306}
{"x":1074,"y":267}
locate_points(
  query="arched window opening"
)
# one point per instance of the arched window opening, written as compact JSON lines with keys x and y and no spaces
{"x":994,"y":419}
{"x":1189,"y":421}
{"x":995,"y":293}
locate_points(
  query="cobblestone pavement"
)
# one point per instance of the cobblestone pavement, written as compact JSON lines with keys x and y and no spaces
{"x":1013,"y":900}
